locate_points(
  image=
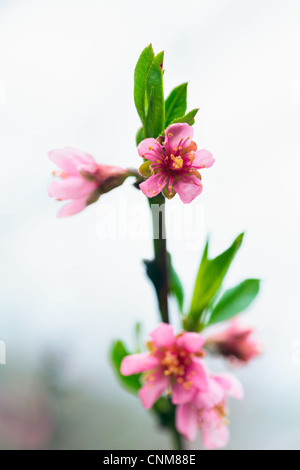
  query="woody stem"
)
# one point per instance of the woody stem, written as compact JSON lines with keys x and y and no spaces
{"x":161,"y":259}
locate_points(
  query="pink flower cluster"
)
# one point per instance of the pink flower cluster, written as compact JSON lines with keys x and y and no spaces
{"x":174,"y":364}
{"x":171,"y":166}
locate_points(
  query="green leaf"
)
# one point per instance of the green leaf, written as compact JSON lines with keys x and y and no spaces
{"x":139,"y":136}
{"x":117,"y":353}
{"x":175,"y":287}
{"x":189,"y":117}
{"x":155,"y":119}
{"x":140,"y":74}
{"x":210,"y":277}
{"x":175,"y":105}
{"x":235,"y":301}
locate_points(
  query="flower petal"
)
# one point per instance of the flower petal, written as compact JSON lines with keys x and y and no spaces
{"x":215,"y":434}
{"x":136,"y":363}
{"x":214,"y":395}
{"x":198,"y":374}
{"x":151,"y":391}
{"x":203,"y":159}
{"x":231,"y":385}
{"x":187,"y":421}
{"x":163,"y":336}
{"x":69,"y":158}
{"x":181,"y":395}
{"x":72,"y":187}
{"x":178,"y":135}
{"x":150,"y":149}
{"x":72,"y":207}
{"x":188,"y":191}
{"x":151,"y":187}
{"x":191,"y":342}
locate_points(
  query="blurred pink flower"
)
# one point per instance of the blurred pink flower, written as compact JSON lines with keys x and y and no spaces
{"x":82,"y":179}
{"x":173,"y":364}
{"x":236,"y":343}
{"x":173,"y":164}
{"x":208,"y":411}
{"x":27,"y":418}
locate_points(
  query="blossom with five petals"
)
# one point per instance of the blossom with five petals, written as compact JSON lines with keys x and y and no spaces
{"x":172,"y":164}
{"x":173,"y":364}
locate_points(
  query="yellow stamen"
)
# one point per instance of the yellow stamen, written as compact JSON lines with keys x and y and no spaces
{"x":177,"y":162}
{"x":150,"y":346}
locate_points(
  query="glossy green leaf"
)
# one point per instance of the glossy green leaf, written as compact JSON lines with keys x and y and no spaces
{"x":188,"y":118}
{"x":176,"y":288}
{"x":140,"y":75}
{"x":176,"y":103}
{"x":155,"y":105}
{"x":117,"y":353}
{"x":235,"y":301}
{"x":210,"y":277}
{"x":139,"y":136}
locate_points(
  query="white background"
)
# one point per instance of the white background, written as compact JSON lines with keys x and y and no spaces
{"x":66,"y":80}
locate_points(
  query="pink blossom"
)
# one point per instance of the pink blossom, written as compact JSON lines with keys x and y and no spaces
{"x":236,"y":343}
{"x":208,"y":411}
{"x":173,"y":163}
{"x":173,"y":364}
{"x":82,"y":179}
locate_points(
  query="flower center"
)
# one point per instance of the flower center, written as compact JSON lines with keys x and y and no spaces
{"x":219,"y":410}
{"x":177,"y":162}
{"x":172,"y":364}
{"x":175,"y":363}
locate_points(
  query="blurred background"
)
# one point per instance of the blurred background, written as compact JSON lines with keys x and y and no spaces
{"x":69,"y":287}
